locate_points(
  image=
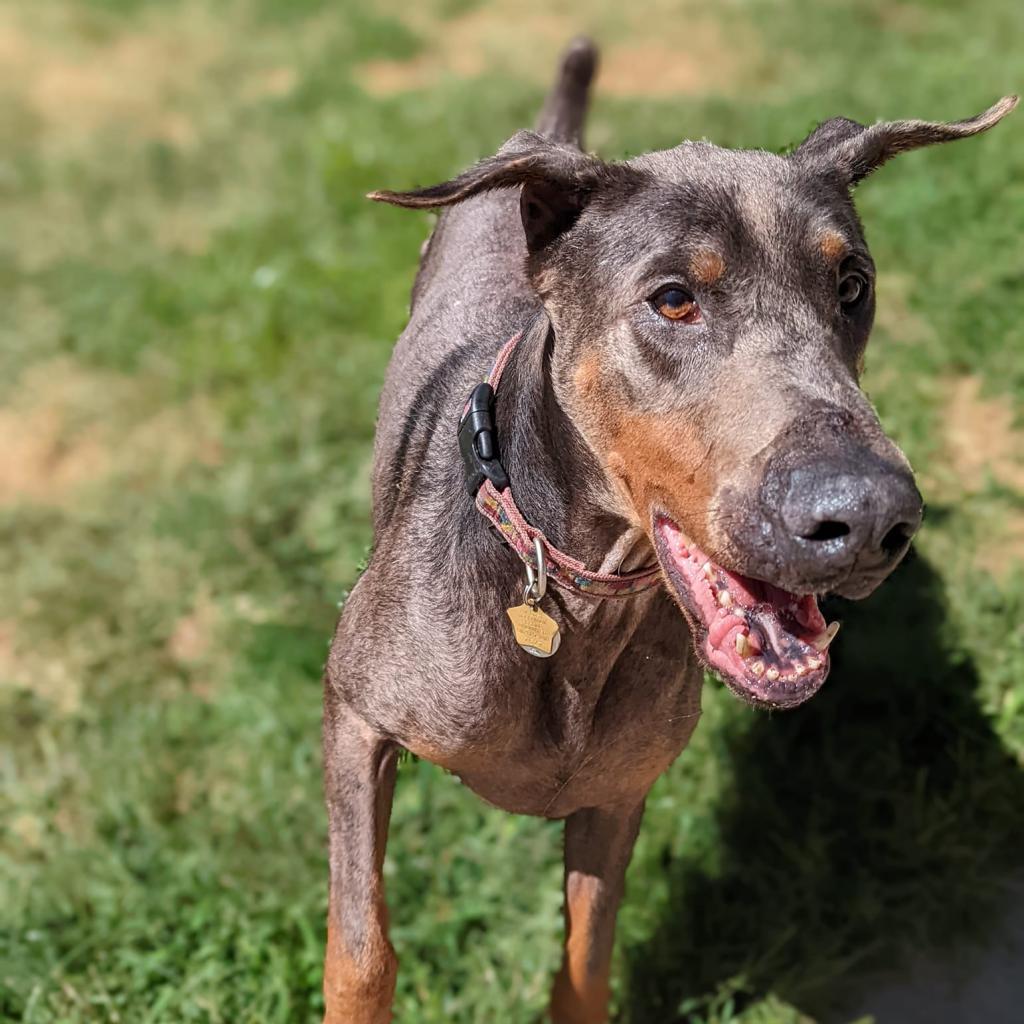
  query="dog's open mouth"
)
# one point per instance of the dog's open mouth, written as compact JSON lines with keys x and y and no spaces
{"x":770,"y":646}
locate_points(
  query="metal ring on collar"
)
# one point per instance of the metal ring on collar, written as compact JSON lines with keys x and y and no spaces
{"x":537,"y":582}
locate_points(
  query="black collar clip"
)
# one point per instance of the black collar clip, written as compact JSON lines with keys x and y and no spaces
{"x":478,"y":442}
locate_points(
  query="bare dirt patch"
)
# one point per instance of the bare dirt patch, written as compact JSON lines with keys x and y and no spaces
{"x":526,"y":43}
{"x":47,"y":454}
{"x":196,"y":648}
{"x":87,"y":77}
{"x":981,"y":437}
{"x":982,"y":443}
{"x":70,"y":428}
{"x":102,"y":89}
{"x":193,"y":634}
{"x":1004,"y":550}
{"x":705,"y":66}
{"x":77,"y":87}
{"x":52,"y":678}
{"x":465,"y":47}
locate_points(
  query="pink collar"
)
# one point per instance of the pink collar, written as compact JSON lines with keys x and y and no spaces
{"x":500,"y":508}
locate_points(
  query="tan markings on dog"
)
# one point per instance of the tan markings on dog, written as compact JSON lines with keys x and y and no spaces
{"x":707,"y":266}
{"x":588,"y":376}
{"x":832,"y":245}
{"x":654,"y":459}
{"x":601,"y":405}
{"x":358,"y":991}
{"x":581,"y":990}
{"x":665,"y":462}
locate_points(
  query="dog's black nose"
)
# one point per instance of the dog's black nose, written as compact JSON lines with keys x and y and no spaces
{"x":847,"y":515}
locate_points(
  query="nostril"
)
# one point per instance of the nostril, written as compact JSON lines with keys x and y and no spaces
{"x":896,"y":539}
{"x":830,"y":529}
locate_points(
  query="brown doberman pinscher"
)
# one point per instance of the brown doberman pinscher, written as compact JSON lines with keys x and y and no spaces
{"x":645,"y":375}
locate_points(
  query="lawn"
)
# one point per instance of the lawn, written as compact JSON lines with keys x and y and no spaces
{"x":198,"y":307}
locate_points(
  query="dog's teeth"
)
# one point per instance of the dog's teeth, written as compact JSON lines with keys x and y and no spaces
{"x":772,"y":674}
{"x":801,"y":669}
{"x":825,"y":637}
{"x":813,"y":663}
{"x":725,"y":598}
{"x":706,"y":569}
{"x":757,"y":667}
{"x":743,"y":648}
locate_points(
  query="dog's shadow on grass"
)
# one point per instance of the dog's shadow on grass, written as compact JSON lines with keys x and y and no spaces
{"x":871,"y":822}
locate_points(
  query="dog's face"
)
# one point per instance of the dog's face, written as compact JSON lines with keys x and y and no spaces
{"x":711,"y":310}
{"x":711,"y":316}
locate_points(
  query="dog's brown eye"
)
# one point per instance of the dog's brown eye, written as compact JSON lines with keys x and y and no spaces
{"x":853,"y":286}
{"x":676,"y":304}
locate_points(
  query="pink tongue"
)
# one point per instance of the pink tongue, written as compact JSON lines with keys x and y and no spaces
{"x":738,"y":589}
{"x":720,"y":628}
{"x":803,"y":609}
{"x":770,"y":624}
{"x":779,"y":610}
{"x":810,"y":615}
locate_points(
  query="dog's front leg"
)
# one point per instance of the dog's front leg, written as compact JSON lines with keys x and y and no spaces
{"x":598,"y":845}
{"x":360,"y":965}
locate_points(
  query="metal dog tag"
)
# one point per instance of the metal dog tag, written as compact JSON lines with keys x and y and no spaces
{"x":536,"y":632}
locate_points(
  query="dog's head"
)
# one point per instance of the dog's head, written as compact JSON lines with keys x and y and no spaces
{"x":711,"y":309}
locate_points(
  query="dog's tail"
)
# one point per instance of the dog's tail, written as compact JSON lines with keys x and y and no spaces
{"x":565,"y":109}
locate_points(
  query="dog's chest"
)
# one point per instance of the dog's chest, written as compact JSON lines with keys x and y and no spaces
{"x":595,"y":724}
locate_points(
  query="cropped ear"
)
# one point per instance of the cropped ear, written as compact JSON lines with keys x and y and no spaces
{"x":557,"y":181}
{"x":853,"y":150}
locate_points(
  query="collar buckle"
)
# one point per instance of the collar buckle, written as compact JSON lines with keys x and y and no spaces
{"x":478,"y":442}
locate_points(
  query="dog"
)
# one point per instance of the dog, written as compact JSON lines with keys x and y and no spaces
{"x":620,"y":441}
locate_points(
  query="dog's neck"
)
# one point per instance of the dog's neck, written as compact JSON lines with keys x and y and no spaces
{"x":557,"y":480}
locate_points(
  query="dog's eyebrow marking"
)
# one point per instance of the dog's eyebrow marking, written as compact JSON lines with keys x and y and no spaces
{"x":707,"y":266}
{"x":832,"y":245}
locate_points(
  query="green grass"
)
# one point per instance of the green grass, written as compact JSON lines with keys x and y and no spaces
{"x":198,"y":309}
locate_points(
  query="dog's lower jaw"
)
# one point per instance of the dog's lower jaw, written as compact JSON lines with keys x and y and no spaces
{"x":769,"y":646}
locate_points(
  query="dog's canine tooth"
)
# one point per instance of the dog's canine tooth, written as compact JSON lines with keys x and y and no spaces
{"x":825,"y":637}
{"x":725,"y":598}
{"x":743,"y":648}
